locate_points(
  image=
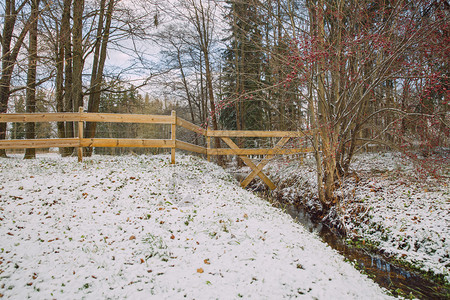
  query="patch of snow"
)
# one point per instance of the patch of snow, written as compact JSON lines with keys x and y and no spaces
{"x":137,"y":227}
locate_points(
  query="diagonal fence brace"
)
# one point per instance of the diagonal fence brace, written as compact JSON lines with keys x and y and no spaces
{"x":264,"y":162}
{"x":257,"y":169}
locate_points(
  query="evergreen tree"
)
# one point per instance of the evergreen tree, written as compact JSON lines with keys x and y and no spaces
{"x":243,"y":70}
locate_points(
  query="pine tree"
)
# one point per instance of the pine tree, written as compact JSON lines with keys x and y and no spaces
{"x":243,"y":70}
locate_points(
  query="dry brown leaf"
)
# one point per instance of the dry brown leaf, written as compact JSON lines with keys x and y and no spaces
{"x":200,"y":270}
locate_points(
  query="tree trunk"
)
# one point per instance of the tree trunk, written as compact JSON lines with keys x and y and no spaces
{"x":98,"y":66}
{"x":66,"y":41}
{"x":77,"y":87}
{"x":9,"y":57}
{"x":31,"y":77}
{"x":60,"y":85}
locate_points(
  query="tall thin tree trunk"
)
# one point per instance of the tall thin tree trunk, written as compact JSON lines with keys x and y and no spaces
{"x":60,"y":85}
{"x":66,"y":41}
{"x":9,"y":57}
{"x":99,"y":64}
{"x":77,"y":87}
{"x":31,"y":77}
{"x":204,"y":103}
{"x":186,"y":87}
{"x":325,"y":115}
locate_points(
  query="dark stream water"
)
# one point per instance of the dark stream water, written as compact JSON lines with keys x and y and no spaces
{"x":383,"y":272}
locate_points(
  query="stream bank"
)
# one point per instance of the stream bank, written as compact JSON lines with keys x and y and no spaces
{"x":385,"y":271}
{"x":391,"y":224}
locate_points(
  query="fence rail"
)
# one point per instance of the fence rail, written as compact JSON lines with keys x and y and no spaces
{"x":173,"y":143}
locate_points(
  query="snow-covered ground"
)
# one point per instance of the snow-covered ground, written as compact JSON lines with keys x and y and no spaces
{"x":387,"y":204}
{"x":136,"y":227}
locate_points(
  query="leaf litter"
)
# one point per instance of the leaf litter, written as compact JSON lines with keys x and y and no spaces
{"x":137,"y":227}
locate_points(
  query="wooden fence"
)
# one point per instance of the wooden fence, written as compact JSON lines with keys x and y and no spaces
{"x":173,"y":143}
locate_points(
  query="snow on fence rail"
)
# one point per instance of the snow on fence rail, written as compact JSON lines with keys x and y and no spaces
{"x":172,"y":143}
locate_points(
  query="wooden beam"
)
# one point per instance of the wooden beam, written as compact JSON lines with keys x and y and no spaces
{"x":189,"y":126}
{"x":128,"y":143}
{"x":208,"y":147}
{"x":80,"y":136}
{"x":190,"y":147}
{"x":173,"y":135}
{"x":254,"y":133}
{"x":249,"y":163}
{"x":127,"y":118}
{"x":263,"y":162}
{"x":40,"y":117}
{"x":86,"y":117}
{"x":39,"y":143}
{"x":215,"y":151}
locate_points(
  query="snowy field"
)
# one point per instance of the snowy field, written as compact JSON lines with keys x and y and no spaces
{"x":137,"y":227}
{"x":388,"y":204}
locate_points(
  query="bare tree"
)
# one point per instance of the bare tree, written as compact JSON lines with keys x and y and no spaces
{"x":101,"y":44}
{"x":31,"y":76}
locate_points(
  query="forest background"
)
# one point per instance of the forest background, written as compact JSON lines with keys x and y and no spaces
{"x":354,"y":73}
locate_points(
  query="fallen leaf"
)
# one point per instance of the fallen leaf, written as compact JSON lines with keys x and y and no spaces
{"x":132,"y":237}
{"x":200,"y":270}
{"x":172,"y":237}
{"x":206,"y":261}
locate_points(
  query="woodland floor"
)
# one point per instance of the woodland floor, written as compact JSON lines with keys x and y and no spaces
{"x":137,"y":227}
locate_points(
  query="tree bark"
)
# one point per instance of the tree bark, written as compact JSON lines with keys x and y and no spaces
{"x":98,"y":66}
{"x":77,"y":87}
{"x":30,"y":128}
{"x":59,"y":82}
{"x":9,"y":57}
{"x":66,"y":42}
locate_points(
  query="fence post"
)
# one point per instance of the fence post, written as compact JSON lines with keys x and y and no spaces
{"x":173,"y":137}
{"x":208,"y":145}
{"x":80,"y":135}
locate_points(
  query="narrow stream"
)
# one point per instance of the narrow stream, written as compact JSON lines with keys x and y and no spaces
{"x":383,"y":272}
{"x":396,"y":279}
